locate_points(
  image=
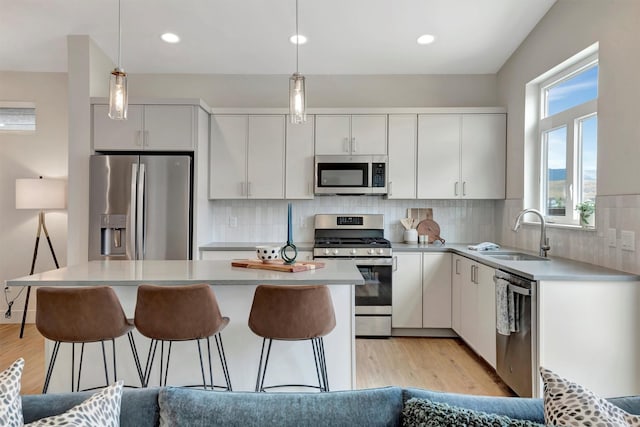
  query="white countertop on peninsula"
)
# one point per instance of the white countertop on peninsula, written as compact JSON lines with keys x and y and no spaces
{"x":134,"y":273}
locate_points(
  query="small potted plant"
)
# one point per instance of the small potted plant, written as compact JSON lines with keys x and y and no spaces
{"x":586,"y":209}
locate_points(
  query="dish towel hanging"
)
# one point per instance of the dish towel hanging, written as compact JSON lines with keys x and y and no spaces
{"x":506,"y":308}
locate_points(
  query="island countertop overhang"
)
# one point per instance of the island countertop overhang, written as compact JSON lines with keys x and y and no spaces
{"x":174,"y":272}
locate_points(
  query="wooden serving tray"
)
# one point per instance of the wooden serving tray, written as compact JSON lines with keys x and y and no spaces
{"x":277,"y":265}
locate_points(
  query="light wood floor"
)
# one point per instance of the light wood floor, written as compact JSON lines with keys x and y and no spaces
{"x":443,"y":364}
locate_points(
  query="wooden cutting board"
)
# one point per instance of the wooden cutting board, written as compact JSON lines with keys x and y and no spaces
{"x":430,"y":228}
{"x":278,"y":265}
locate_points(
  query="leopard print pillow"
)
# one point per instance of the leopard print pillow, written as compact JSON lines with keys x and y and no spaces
{"x":570,"y":404}
{"x":10,"y":401}
{"x":101,"y":409}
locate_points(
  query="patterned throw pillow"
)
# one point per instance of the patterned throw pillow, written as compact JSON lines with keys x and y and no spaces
{"x":421,"y":412}
{"x":570,"y":404}
{"x":10,"y":402}
{"x":101,"y":409}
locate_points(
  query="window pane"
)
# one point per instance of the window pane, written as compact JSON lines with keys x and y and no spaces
{"x":576,"y":90}
{"x":556,"y":185}
{"x":589,"y":143}
{"x":15,"y":118}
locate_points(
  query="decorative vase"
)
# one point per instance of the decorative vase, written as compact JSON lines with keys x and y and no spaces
{"x":586,"y":221}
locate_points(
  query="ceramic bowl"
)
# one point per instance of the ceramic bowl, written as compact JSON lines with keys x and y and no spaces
{"x":268,"y":253}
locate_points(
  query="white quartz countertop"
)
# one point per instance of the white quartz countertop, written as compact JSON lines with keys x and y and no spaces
{"x":134,"y":273}
{"x":250,"y":246}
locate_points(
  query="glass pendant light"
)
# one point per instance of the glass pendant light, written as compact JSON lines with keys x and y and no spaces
{"x":118,"y":99}
{"x":297,"y":88}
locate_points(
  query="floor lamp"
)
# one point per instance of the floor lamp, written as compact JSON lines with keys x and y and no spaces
{"x":40,"y":194}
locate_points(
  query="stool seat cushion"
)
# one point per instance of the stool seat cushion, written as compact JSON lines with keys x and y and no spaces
{"x":292,"y":312}
{"x":80,"y":314}
{"x":178,"y":313}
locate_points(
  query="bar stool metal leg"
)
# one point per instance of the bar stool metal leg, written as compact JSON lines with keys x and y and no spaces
{"x":223,"y":362}
{"x":52,"y":361}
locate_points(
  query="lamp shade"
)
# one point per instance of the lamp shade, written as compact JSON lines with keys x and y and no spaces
{"x":41,"y":193}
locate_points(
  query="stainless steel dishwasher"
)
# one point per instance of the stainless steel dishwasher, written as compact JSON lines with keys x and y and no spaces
{"x":517,"y":353}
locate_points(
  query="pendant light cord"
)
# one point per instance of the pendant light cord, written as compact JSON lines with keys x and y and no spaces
{"x":297,"y":37}
{"x":120,"y":37}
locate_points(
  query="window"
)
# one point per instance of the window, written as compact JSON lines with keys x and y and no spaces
{"x":17,"y":116}
{"x":568,"y":124}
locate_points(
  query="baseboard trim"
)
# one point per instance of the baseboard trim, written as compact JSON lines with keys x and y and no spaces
{"x":424,"y":332}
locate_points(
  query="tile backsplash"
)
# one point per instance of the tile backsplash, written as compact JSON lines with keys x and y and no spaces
{"x":591,"y":245}
{"x":461,"y":221}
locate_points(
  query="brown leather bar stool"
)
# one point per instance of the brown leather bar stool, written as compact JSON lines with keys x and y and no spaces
{"x":292,"y":313}
{"x":80,"y":316}
{"x":180,"y":313}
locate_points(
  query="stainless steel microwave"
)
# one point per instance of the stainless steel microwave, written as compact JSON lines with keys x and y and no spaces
{"x":344,"y":174}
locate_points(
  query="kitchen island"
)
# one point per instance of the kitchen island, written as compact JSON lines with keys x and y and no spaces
{"x":291,"y":362}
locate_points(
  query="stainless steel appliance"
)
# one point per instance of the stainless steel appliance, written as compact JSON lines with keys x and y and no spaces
{"x":517,"y":353}
{"x":344,"y":174}
{"x":140,"y":207}
{"x":361,"y":237}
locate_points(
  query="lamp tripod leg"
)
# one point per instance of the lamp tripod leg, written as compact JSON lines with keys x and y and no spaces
{"x":33,"y":266}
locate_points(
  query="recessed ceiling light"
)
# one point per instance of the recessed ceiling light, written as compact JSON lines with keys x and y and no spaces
{"x":298,"y":39}
{"x":426,"y":39}
{"x":170,"y":38}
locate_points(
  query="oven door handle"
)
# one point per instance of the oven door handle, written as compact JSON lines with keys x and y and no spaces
{"x":373,"y":262}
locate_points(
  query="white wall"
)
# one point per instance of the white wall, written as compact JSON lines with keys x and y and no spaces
{"x":569,"y":27}
{"x":29,"y":155}
{"x":262,"y":91}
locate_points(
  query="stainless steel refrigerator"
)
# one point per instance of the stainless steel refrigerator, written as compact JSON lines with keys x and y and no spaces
{"x":140,"y":207}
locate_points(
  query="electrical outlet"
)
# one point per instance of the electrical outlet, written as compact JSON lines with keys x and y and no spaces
{"x":233,"y":221}
{"x":628,"y":240}
{"x":611,"y":237}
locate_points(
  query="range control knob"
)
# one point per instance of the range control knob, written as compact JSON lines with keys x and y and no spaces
{"x":353,"y":251}
{"x":326,"y":251}
{"x":371,"y":251}
{"x":335,"y":252}
{"x":380,"y":251}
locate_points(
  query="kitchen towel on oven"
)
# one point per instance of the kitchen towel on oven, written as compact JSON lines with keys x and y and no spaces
{"x":506,"y":308}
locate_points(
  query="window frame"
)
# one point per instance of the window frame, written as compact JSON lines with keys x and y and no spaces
{"x":571,"y":119}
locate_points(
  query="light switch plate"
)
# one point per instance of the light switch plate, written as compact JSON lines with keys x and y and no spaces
{"x":233,"y":221}
{"x":611,"y":237}
{"x":628,"y":240}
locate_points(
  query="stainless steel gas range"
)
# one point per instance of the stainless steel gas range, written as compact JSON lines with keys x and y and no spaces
{"x":361,"y":238}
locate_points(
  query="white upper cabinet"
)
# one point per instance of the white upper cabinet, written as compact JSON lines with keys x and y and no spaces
{"x":228,"y":157}
{"x":461,"y":156}
{"x":148,"y":127}
{"x":484,"y":156}
{"x":351,"y":134}
{"x":246,"y":157}
{"x":438,"y":156}
{"x":299,"y":162}
{"x":402,"y":150}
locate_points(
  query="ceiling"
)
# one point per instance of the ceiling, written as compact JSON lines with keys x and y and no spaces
{"x":252,"y":36}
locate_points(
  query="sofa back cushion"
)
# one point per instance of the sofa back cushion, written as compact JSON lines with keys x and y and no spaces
{"x":139,"y":408}
{"x":373,"y":407}
{"x":512,"y":407}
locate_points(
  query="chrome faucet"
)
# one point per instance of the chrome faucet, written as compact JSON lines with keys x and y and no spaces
{"x":544,"y":240}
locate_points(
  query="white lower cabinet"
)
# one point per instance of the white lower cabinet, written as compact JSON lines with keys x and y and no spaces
{"x":473,"y":306}
{"x":421,"y":296}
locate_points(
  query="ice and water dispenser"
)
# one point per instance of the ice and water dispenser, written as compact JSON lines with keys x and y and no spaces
{"x":113,"y":235}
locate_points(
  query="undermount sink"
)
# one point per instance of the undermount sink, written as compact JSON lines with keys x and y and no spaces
{"x":517,"y":256}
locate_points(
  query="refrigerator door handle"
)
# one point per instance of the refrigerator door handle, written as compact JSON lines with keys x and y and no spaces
{"x":140,"y":213}
{"x":132,"y":211}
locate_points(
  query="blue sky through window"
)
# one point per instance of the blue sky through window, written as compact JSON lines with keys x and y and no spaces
{"x":574,"y":91}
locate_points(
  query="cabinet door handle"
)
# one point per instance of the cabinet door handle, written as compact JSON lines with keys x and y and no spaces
{"x":242,"y":188}
{"x":457,"y":266}
{"x":464,"y":188}
{"x":146,"y":138}
{"x":395,"y":263}
{"x":249,"y":189}
{"x":346,"y":145}
{"x":139,"y":138}
{"x":455,"y":188}
{"x":354,"y":146}
{"x":390,"y":188}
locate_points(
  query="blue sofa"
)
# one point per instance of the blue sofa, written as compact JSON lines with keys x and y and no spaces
{"x":372,"y":407}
